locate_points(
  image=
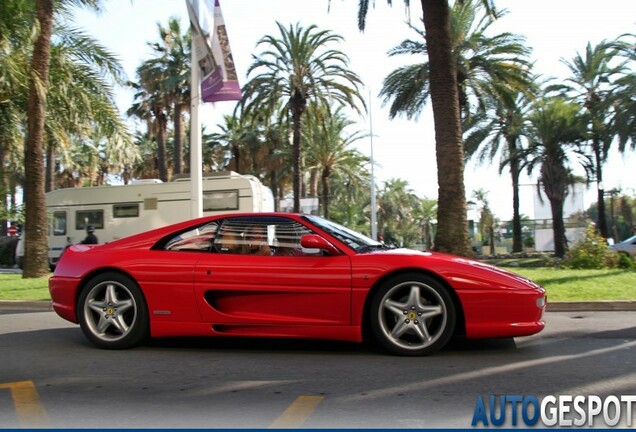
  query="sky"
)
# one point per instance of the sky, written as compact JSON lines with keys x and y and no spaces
{"x":401,"y":148}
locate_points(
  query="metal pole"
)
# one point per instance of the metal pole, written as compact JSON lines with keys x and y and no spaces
{"x":374,"y":224}
{"x":196,"y":158}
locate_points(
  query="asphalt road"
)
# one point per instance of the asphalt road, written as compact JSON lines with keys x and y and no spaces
{"x":50,"y":376}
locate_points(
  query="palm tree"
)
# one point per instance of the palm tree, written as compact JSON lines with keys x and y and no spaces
{"x":625,"y":94}
{"x":486,"y":218}
{"x":296,"y":68}
{"x":483,"y":63}
{"x":35,"y":226}
{"x":35,"y":223}
{"x":591,"y":86}
{"x":80,"y":103}
{"x":556,"y":129}
{"x":15,"y":37}
{"x":328,"y":150}
{"x":499,"y":130}
{"x":152,"y":106}
{"x":452,"y":234}
{"x":242,"y":141}
{"x":351,"y":204}
{"x":397,"y":205}
{"x":425,"y":214}
{"x":171,"y":65}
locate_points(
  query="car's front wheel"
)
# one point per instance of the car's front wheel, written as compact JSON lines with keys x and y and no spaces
{"x":412,"y":315}
{"x":112,"y":312}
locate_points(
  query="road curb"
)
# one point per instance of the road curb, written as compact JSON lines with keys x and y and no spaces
{"x":627,"y":305}
{"x":25,"y":306}
{"x":601,"y":305}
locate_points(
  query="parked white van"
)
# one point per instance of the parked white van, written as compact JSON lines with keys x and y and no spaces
{"x":120,"y":211}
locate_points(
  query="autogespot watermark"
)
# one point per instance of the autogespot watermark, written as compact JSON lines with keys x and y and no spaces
{"x":558,"y":411}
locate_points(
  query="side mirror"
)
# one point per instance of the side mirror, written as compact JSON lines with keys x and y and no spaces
{"x":313,"y":241}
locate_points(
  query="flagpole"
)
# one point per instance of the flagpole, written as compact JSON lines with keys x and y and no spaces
{"x":196,"y":159}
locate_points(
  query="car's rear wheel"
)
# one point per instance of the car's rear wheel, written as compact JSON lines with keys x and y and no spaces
{"x":112,"y":312}
{"x":412,"y":315}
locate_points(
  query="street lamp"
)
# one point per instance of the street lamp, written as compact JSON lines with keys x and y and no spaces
{"x":374,"y":224}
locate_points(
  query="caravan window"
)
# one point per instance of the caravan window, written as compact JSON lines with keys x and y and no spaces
{"x":59,"y":223}
{"x":84,"y":218}
{"x":125,"y":210}
{"x":220,"y":200}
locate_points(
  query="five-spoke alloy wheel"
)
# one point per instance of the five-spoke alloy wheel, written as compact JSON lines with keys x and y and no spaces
{"x":112,"y":312}
{"x":412,"y":315}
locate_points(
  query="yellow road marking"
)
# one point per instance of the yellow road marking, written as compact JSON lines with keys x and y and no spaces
{"x":297,"y":413}
{"x":28,"y":408}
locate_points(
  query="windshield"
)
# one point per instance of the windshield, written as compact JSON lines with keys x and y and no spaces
{"x":355,"y":240}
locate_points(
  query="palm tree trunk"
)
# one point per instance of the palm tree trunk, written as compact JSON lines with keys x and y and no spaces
{"x":35,"y":226}
{"x":161,"y":147}
{"x":515,"y":171}
{"x":558,"y":227}
{"x":326,"y":191}
{"x":177,"y":157}
{"x":236,"y":155}
{"x":3,"y":190}
{"x":49,"y":176}
{"x":297,"y":108}
{"x":602,"y":220}
{"x":452,"y":234}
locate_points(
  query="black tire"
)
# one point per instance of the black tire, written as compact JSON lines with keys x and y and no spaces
{"x":112,"y":312}
{"x":412,"y":315}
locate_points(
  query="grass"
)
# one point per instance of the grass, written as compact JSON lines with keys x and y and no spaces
{"x":561,"y":284}
{"x":13,"y":287}
{"x":583,"y":285}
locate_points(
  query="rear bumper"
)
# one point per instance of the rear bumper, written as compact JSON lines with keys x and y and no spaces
{"x":63,"y":297}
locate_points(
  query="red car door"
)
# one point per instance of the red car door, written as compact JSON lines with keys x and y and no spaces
{"x":237,"y":287}
{"x":273,"y":290}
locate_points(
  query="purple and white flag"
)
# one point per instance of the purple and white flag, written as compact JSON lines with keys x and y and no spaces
{"x":219,"y":81}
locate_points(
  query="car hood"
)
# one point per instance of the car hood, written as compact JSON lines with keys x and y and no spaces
{"x":458,"y":271}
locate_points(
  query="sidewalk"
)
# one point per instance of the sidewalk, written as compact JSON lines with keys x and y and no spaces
{"x":44,"y":306}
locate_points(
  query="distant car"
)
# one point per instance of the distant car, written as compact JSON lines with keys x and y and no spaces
{"x":627,"y":247}
{"x":318,"y":279}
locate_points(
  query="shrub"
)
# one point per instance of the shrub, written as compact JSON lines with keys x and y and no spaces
{"x":528,"y":242}
{"x":625,"y":261}
{"x":591,"y":253}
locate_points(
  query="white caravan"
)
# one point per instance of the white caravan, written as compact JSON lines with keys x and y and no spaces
{"x":119,"y":211}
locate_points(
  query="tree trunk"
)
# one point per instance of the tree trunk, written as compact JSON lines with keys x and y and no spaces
{"x":452,"y":234}
{"x":35,"y":226}
{"x":177,"y":157}
{"x":601,"y":224}
{"x":558,"y":227}
{"x":3,"y":190}
{"x":236,"y":155}
{"x":326,"y":191}
{"x":49,"y":176}
{"x":161,"y":147}
{"x":517,"y":241}
{"x":297,"y":108}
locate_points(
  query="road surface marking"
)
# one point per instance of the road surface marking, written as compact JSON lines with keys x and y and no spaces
{"x":28,"y":408}
{"x":297,"y":413}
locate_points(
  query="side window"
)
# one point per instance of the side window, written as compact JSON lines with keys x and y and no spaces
{"x":264,"y":236}
{"x":287,"y":239}
{"x":196,"y":240}
{"x":84,"y":218}
{"x":59,"y":223}
{"x":125,"y":210}
{"x":232,"y":236}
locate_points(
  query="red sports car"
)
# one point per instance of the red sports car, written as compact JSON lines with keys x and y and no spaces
{"x":286,"y":275}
